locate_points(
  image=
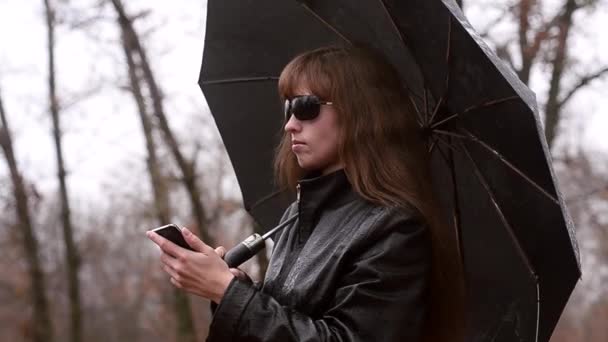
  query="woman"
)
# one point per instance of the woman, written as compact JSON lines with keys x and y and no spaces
{"x":367,"y":259}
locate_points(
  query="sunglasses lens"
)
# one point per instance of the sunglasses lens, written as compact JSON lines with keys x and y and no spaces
{"x":305,"y":107}
{"x":287,"y":110}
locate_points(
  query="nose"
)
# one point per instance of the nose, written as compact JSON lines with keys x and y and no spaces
{"x":293,"y":125}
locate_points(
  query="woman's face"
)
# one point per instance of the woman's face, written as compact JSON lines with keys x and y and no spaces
{"x":315,"y":142}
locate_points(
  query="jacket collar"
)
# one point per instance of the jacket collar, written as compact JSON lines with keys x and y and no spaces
{"x":318,"y":193}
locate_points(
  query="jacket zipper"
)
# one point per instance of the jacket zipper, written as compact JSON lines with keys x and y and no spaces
{"x":292,"y":257}
{"x":298,"y":195}
{"x":299,"y":211}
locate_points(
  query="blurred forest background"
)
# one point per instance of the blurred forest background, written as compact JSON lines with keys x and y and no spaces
{"x":105,"y":134}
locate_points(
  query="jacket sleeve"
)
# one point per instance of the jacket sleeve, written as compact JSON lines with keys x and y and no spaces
{"x":258,"y":284}
{"x":381,"y":297}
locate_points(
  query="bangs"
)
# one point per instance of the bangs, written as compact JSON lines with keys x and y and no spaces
{"x":309,"y":71}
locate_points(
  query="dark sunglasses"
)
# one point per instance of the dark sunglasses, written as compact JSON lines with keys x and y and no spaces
{"x":303,"y":107}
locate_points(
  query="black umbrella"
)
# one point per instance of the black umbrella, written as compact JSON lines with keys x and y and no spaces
{"x":491,"y":163}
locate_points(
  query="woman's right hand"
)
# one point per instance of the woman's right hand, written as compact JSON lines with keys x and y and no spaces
{"x":221,"y":251}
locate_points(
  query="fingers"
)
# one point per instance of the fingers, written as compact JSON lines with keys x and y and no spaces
{"x":170,"y":261}
{"x":175,"y":278}
{"x":240,"y":274}
{"x":237,"y":273}
{"x":196,"y":243}
{"x":166,"y":245}
{"x":221,"y":251}
{"x":176,"y":283}
{"x":181,"y":264}
{"x":171,"y":272}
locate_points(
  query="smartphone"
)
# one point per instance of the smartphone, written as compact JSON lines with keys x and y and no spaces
{"x":172,"y":233}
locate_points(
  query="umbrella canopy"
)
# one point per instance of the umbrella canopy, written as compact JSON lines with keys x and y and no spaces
{"x":490,"y":161}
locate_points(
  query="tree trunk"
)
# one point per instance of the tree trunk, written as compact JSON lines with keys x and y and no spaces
{"x":186,"y":167}
{"x":185,"y":324}
{"x":71,"y":251}
{"x":553,"y":107}
{"x":43,"y":330}
{"x":527,"y":57}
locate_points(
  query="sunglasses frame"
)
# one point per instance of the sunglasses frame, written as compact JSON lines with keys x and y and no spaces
{"x":313,"y":107}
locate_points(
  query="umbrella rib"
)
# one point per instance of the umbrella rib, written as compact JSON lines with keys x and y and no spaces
{"x":433,"y":144}
{"x":491,"y":103}
{"x":393,"y":23}
{"x":448,"y":145}
{"x":502,"y":158}
{"x":410,"y":91}
{"x":441,"y":152}
{"x":324,"y":22}
{"x":448,"y":54}
{"x":475,"y":107}
{"x":265,"y":198}
{"x":537,"y":309}
{"x":444,"y":120}
{"x":447,"y":74}
{"x":513,"y":237}
{"x":510,"y":165}
{"x":401,"y":37}
{"x":240,"y":80}
{"x":456,"y":214}
{"x":418,"y":116}
{"x":451,"y":134}
{"x":500,"y":213}
{"x":426,"y":106}
{"x":439,"y":103}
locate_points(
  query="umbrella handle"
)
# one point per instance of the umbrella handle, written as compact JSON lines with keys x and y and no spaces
{"x":252,"y":245}
{"x":244,"y":250}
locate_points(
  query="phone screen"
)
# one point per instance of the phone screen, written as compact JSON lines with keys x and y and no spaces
{"x":172,"y":233}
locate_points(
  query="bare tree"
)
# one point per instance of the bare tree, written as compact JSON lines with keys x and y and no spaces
{"x":128,"y":295}
{"x":72,"y":257}
{"x":185,"y":328}
{"x":42,"y":327}
{"x":544,"y":39}
{"x":586,"y":195}
{"x":187,"y":167}
{"x":553,"y":107}
{"x":543,"y":44}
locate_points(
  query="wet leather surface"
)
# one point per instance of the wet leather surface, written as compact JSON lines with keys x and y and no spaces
{"x":345,"y":270}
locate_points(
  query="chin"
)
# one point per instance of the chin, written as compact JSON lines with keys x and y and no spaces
{"x":308,"y":166}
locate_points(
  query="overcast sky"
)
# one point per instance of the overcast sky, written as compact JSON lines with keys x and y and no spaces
{"x":585,"y":115}
{"x":102,"y":133}
{"x":102,"y":139}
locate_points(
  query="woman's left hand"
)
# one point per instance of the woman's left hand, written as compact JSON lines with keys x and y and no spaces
{"x":202,"y":273}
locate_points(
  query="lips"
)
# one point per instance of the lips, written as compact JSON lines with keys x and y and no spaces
{"x":297,"y":146}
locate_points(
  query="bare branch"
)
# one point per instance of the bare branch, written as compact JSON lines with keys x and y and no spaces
{"x":529,"y":50}
{"x":42,"y":327}
{"x":87,"y":22}
{"x":81,"y":96}
{"x":583,"y":81}
{"x":502,"y":51}
{"x":485,"y":33}
{"x":558,"y":63}
{"x":543,"y":35}
{"x":72,"y":255}
{"x":573,"y":199}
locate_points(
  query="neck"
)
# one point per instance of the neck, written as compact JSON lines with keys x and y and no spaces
{"x":331,"y":169}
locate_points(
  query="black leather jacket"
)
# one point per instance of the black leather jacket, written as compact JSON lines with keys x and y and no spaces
{"x":346,"y":270}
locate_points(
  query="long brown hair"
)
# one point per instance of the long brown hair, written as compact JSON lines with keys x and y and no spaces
{"x":383,"y":150}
